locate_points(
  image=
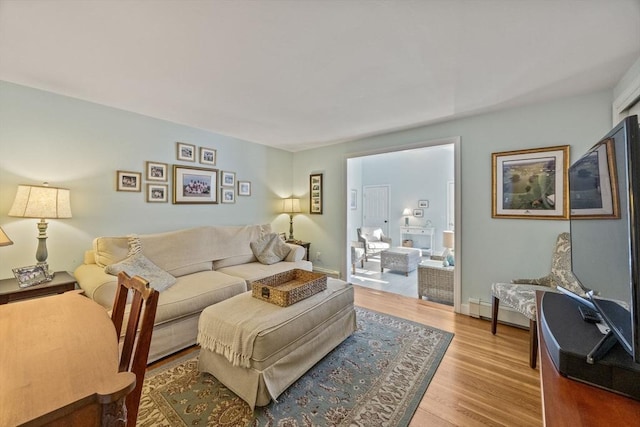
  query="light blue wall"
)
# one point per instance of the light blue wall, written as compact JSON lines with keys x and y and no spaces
{"x":80,"y":146}
{"x":492,"y":249}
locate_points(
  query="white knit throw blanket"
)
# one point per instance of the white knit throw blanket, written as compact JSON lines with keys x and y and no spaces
{"x":230,"y":327}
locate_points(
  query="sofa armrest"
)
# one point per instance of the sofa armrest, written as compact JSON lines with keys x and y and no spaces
{"x":386,"y":240}
{"x":297,"y":253}
{"x":96,"y":284}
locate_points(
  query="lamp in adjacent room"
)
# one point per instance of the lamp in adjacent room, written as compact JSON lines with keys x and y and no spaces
{"x":42,"y":202}
{"x":4,"y":239}
{"x":406,"y":213}
{"x":448,"y":240}
{"x":291,"y":206}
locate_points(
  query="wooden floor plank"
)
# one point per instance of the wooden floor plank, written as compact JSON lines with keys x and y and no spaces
{"x":483,"y":379}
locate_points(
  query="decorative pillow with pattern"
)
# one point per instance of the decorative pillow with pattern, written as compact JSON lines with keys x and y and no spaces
{"x":137,"y":264}
{"x":270,"y":249}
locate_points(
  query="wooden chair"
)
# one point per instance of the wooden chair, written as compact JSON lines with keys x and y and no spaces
{"x":135,"y":350}
{"x":520,"y":294}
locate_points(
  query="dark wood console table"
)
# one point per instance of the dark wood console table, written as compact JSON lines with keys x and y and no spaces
{"x":570,"y":403}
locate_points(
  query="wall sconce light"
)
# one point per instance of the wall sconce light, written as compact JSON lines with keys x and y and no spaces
{"x":291,"y":206}
{"x":4,"y":239}
{"x":406,"y":213}
{"x":42,"y":202}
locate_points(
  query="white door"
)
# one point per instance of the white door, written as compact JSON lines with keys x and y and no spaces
{"x":375,"y":207}
{"x":451,"y":205}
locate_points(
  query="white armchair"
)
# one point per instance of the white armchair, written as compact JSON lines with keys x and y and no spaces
{"x":373,"y":240}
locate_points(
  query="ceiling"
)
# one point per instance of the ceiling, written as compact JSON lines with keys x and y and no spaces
{"x":302,"y":74}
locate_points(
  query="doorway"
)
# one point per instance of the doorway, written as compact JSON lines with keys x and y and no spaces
{"x":420,"y":178}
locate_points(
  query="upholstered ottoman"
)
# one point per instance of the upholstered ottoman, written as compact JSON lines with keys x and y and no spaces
{"x":400,"y":259}
{"x":258,"y":349}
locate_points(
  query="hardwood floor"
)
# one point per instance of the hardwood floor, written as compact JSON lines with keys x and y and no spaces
{"x":483,"y":380}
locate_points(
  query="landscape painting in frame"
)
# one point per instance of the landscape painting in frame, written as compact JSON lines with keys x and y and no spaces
{"x":531,"y":183}
{"x":594,"y":184}
{"x":194,"y":185}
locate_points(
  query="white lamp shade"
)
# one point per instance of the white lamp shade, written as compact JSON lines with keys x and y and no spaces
{"x":291,"y":205}
{"x":41,"y":202}
{"x":407,"y":212}
{"x":448,"y":239}
{"x":4,"y":239}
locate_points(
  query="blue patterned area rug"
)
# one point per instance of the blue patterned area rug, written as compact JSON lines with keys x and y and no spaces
{"x":376,"y":377}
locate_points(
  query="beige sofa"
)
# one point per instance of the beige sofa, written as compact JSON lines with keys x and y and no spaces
{"x":210,"y":264}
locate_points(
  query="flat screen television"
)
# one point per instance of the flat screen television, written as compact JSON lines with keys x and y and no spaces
{"x":604,"y":195}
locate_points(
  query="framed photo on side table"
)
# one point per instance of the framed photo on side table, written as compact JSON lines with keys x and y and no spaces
{"x":31,"y":275}
{"x":315,"y":191}
{"x":194,"y":185}
{"x":531,"y":183}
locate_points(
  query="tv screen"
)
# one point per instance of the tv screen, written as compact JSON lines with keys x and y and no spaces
{"x":604,"y":194}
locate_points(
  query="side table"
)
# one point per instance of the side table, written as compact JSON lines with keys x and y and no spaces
{"x":305,"y":245}
{"x":10,"y":291}
{"x":435,"y":281}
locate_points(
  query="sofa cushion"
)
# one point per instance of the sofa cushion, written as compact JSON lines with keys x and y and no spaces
{"x":180,"y":252}
{"x":270,"y":249}
{"x":139,"y":265}
{"x":109,"y":250}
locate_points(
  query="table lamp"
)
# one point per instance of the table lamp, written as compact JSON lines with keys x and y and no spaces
{"x":4,"y":239}
{"x":406,"y":213}
{"x":291,"y":206}
{"x":448,"y":240}
{"x":42,"y":202}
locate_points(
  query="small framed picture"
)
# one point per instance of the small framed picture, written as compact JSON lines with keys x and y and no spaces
{"x":31,"y":275}
{"x":227,"y":179}
{"x":186,"y":152}
{"x":228,"y":195}
{"x":157,"y":193}
{"x":207,"y":156}
{"x":418,"y":213}
{"x":128,"y":181}
{"x":423,"y":203}
{"x":157,"y":171}
{"x":353,"y":200}
{"x":244,"y":188}
{"x":315,"y":189}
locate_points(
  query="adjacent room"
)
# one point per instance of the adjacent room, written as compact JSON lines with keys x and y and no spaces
{"x":358,"y":212}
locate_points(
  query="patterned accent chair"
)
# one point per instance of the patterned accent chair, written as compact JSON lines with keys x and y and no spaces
{"x":520,"y":294}
{"x":373,"y":241}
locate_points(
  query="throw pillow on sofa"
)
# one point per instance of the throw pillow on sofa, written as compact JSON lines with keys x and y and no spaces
{"x":139,"y":265}
{"x":270,"y":249}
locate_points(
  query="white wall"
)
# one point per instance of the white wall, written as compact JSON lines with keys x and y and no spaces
{"x":80,"y":146}
{"x":492,"y":249}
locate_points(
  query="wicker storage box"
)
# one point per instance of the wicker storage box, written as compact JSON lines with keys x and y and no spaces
{"x":289,"y":287}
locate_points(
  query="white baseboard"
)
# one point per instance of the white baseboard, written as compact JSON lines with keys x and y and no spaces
{"x":482,"y":310}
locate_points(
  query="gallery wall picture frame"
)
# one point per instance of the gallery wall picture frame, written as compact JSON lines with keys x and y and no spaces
{"x":594,"y":184}
{"x":227,"y":179}
{"x":128,"y":181}
{"x":423,"y":203}
{"x":186,"y":152}
{"x":531,"y":184}
{"x":418,"y":213}
{"x":157,"y":193}
{"x":208,"y":156}
{"x":315,"y":194}
{"x":227,"y":194}
{"x":157,"y":171}
{"x":244,"y":188}
{"x":353,"y":200}
{"x":194,"y":185}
